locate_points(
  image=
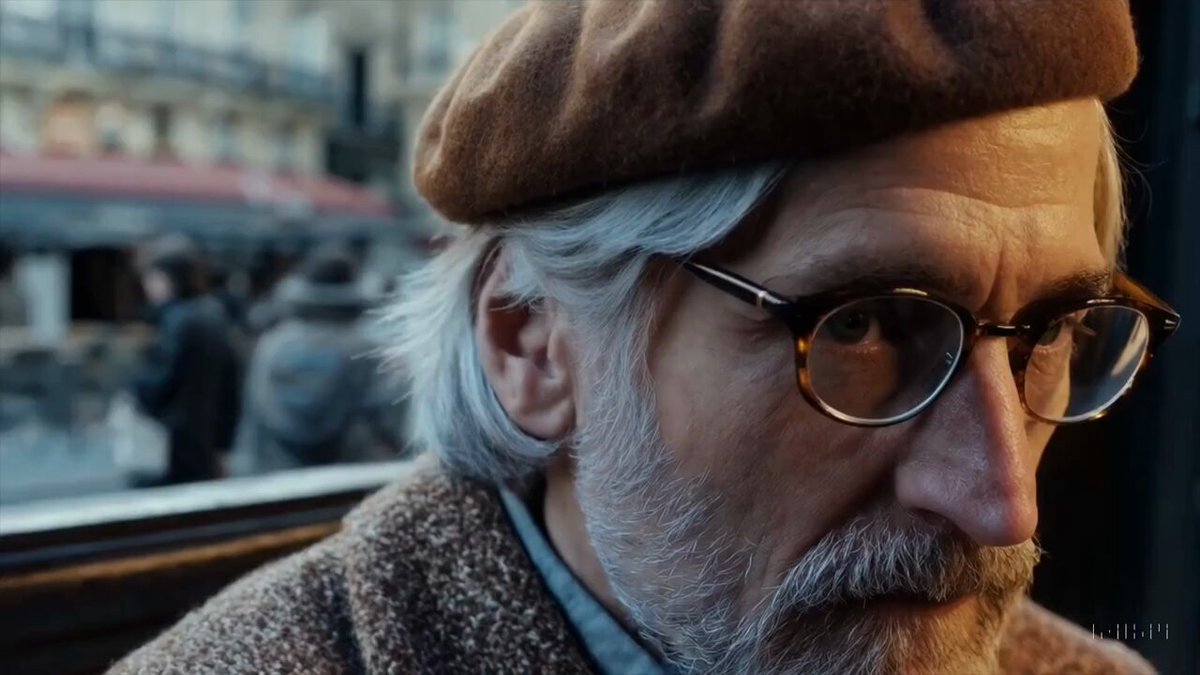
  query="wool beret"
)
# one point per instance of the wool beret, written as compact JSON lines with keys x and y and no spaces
{"x":570,"y":96}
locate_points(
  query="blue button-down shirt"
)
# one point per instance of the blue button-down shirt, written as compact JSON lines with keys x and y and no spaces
{"x":611,"y":648}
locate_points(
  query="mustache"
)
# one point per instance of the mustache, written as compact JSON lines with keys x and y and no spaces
{"x":869,"y":559}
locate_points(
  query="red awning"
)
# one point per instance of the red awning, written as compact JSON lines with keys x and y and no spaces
{"x":128,"y":178}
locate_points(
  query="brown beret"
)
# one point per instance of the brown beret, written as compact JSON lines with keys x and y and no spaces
{"x":568,"y":96}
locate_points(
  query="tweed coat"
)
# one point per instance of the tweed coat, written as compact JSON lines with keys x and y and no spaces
{"x":427,"y":576}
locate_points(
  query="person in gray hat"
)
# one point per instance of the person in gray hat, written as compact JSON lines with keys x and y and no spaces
{"x":315,"y":393}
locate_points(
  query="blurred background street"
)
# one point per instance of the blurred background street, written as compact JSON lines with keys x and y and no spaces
{"x":259,"y":129}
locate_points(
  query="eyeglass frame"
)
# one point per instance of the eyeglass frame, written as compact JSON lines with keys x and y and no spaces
{"x":803,"y":316}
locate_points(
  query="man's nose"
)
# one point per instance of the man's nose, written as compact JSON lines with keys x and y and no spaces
{"x":971,"y":462}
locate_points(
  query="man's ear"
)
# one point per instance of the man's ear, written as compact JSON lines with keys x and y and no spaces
{"x":526,"y":358}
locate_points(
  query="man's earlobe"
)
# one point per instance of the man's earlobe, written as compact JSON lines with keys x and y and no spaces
{"x":526,"y":358}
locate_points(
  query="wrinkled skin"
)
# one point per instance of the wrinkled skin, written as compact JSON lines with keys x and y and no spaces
{"x":1000,"y":207}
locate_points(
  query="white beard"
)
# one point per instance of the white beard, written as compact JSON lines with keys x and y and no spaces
{"x":681,"y":574}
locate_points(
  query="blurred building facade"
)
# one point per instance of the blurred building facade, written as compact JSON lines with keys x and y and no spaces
{"x":240,"y":121}
{"x":242,"y":82}
{"x":256,"y":126}
{"x":121,"y":120}
{"x":393,"y":56}
{"x":303,"y":87}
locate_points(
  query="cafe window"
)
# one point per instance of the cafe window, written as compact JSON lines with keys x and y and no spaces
{"x":162,"y":121}
{"x":227,"y":138}
{"x":104,"y":286}
{"x":284,"y":147}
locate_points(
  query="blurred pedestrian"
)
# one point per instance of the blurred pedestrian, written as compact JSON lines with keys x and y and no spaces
{"x":314,"y":393}
{"x":189,"y":379}
{"x":12,"y":303}
{"x":220,"y":288}
{"x":235,"y":304}
{"x":268,"y":270}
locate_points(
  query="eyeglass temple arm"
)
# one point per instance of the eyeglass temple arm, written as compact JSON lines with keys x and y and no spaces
{"x":751,"y":293}
{"x":739,"y":287}
{"x":1133,"y":289}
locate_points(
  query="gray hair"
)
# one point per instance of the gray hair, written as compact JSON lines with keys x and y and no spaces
{"x":590,"y":260}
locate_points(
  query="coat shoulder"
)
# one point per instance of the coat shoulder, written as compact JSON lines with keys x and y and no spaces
{"x":292,"y":616}
{"x":1039,"y":641}
{"x":288,"y":617}
{"x":425,"y":576}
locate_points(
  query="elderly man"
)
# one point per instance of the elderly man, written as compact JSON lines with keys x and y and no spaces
{"x":760,"y":320}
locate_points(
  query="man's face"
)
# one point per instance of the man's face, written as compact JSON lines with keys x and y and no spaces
{"x":747,"y":521}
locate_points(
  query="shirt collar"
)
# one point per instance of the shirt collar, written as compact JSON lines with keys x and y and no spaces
{"x":611,"y":648}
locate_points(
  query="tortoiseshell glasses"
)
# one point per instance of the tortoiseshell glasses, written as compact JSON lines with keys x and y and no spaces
{"x":881,"y":358}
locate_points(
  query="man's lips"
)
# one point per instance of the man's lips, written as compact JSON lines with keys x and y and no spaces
{"x":919,"y":604}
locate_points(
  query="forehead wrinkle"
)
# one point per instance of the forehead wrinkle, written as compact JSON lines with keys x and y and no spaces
{"x":995,"y":237}
{"x":998,"y":250}
{"x":809,"y":222}
{"x":876,"y":235}
{"x":1009,"y":205}
{"x":1048,"y":148}
{"x":909,"y":197}
{"x":999,"y":178}
{"x":995,"y":176}
{"x":1023,"y":160}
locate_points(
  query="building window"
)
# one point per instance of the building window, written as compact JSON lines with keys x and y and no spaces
{"x":435,"y":39}
{"x":110,"y":122}
{"x":69,"y":127}
{"x":308,"y":42}
{"x":162,"y":123}
{"x":111,"y":142}
{"x":18,"y":123}
{"x":357,"y":91}
{"x":79,"y":12}
{"x":242,"y":17}
{"x":228,"y":139}
{"x":36,"y":9}
{"x":103,"y":286}
{"x":285,"y":147}
{"x":166,"y":17}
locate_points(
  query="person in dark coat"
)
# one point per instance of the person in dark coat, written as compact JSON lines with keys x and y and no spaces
{"x":189,"y":379}
{"x":219,"y":287}
{"x":314,"y":392}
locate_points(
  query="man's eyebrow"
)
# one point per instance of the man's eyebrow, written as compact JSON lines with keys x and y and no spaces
{"x":1084,"y":283}
{"x":864,"y":273}
{"x":869,"y":274}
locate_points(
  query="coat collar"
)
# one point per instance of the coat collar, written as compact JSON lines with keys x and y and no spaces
{"x":434,"y":562}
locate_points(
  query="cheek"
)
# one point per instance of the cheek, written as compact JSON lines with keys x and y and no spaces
{"x":715,"y":398}
{"x":785,"y":474}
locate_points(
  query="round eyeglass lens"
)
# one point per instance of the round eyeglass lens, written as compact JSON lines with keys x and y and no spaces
{"x":879,"y":360}
{"x":1084,"y":362}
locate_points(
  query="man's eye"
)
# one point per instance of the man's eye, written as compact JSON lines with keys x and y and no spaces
{"x":850,"y":327}
{"x":1063,"y":330}
{"x":1050,"y":336}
